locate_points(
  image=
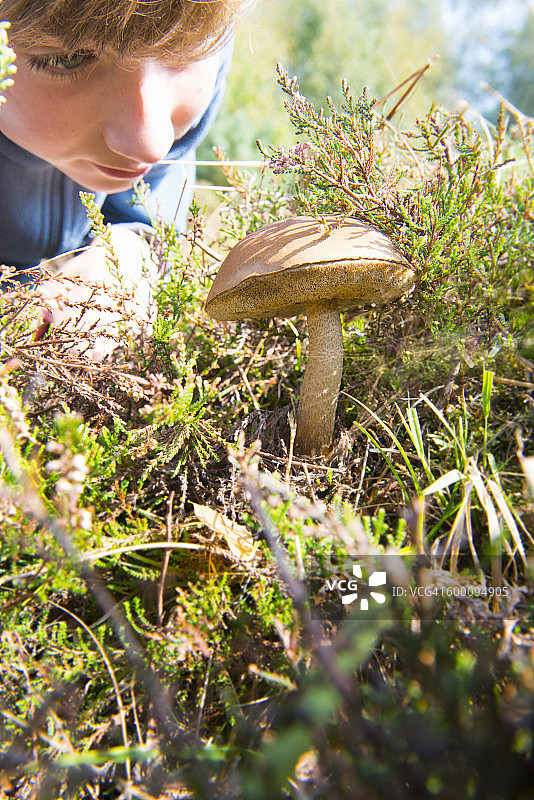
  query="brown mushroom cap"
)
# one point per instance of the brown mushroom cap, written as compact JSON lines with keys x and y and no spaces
{"x":283,"y":266}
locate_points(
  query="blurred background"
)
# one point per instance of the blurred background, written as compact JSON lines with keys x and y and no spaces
{"x":374,"y":43}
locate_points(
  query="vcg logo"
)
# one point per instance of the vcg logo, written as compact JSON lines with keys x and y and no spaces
{"x":350,"y":587}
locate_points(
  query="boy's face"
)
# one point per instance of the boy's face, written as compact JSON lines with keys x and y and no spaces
{"x":101,"y":120}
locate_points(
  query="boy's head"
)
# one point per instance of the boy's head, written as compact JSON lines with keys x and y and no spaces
{"x":104,"y":87}
{"x":130,"y":28}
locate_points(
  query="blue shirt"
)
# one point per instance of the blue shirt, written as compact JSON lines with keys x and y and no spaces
{"x":41,"y":214}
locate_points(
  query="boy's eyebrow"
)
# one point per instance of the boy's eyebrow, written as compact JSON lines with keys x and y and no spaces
{"x":48,"y":41}
{"x":50,"y":44}
{"x":45,"y":43}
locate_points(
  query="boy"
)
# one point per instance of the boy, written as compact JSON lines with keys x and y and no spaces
{"x":104,"y":89}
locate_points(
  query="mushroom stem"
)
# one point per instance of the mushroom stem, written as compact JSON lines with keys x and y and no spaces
{"x":320,"y":386}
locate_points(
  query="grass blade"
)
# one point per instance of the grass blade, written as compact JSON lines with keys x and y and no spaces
{"x":455,"y":534}
{"x":372,"y":438}
{"x":487,"y":388}
{"x":500,"y":499}
{"x":390,"y":433}
{"x":444,"y":421}
{"x":413,"y":428}
{"x":453,"y":476}
{"x":486,"y":502}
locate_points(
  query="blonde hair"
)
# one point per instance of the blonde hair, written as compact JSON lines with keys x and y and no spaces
{"x":136,"y":28}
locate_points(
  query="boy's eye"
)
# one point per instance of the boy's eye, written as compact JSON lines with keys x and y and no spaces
{"x":57,"y":63}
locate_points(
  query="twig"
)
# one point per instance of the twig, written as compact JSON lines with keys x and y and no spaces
{"x":203,"y":697}
{"x":166,"y":558}
{"x":248,"y":387}
{"x":511,"y":382}
{"x":360,"y":485}
{"x":412,"y":79}
{"x":292,"y":436}
{"x":298,"y":463}
{"x":14,"y":316}
{"x":96,"y":555}
{"x":208,"y":250}
{"x":111,"y":673}
{"x":310,"y":487}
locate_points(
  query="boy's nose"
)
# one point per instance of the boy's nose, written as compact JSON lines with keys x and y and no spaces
{"x":139,"y":124}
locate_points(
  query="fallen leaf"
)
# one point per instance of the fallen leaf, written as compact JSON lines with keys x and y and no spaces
{"x":527,"y":462}
{"x":238,"y":538}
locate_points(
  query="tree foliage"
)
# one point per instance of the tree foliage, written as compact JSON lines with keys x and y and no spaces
{"x":374,"y":43}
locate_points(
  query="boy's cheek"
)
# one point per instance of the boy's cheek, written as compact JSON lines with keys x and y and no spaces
{"x":193,"y":96}
{"x":33,"y":118}
{"x":28,"y":128}
{"x":27,"y":106}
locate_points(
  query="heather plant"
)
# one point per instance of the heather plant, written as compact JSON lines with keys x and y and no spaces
{"x":7,"y":57}
{"x":440,"y":191}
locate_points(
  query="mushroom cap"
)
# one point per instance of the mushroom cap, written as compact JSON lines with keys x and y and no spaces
{"x":280,"y":268}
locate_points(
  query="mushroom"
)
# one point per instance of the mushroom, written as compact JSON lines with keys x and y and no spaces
{"x":302,"y":265}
